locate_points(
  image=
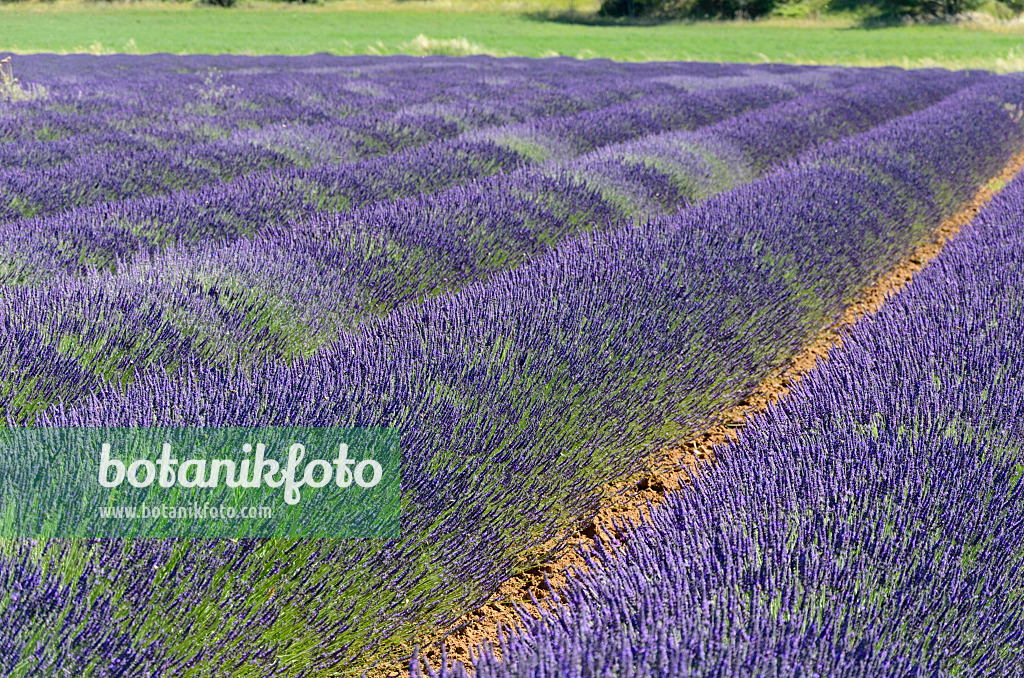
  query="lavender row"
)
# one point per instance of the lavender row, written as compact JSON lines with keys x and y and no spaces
{"x":380,"y":256}
{"x":518,"y":398}
{"x":222,"y":129}
{"x":104,"y":176}
{"x":292,"y":291}
{"x":112,"y":126}
{"x":867,"y":526}
{"x":657,"y":173}
{"x":75,"y":172}
{"x":493,"y":224}
{"x":217,"y":96}
{"x":227,"y":213}
{"x":657,"y":105}
{"x":253,"y":120}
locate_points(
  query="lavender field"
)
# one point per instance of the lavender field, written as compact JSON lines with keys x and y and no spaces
{"x":540,"y":272}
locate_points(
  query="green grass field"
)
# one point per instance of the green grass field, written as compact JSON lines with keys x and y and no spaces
{"x":427,"y":28}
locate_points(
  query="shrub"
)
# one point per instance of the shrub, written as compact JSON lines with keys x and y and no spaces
{"x":938,"y":8}
{"x":693,"y":9}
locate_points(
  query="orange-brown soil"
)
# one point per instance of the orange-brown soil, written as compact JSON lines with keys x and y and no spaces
{"x":629,"y":500}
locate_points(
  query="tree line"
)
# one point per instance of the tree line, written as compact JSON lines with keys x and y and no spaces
{"x":733,"y":9}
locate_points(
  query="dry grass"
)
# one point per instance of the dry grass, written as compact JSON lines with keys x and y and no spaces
{"x":12,"y":89}
{"x":421,"y":45}
{"x":1012,"y":62}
